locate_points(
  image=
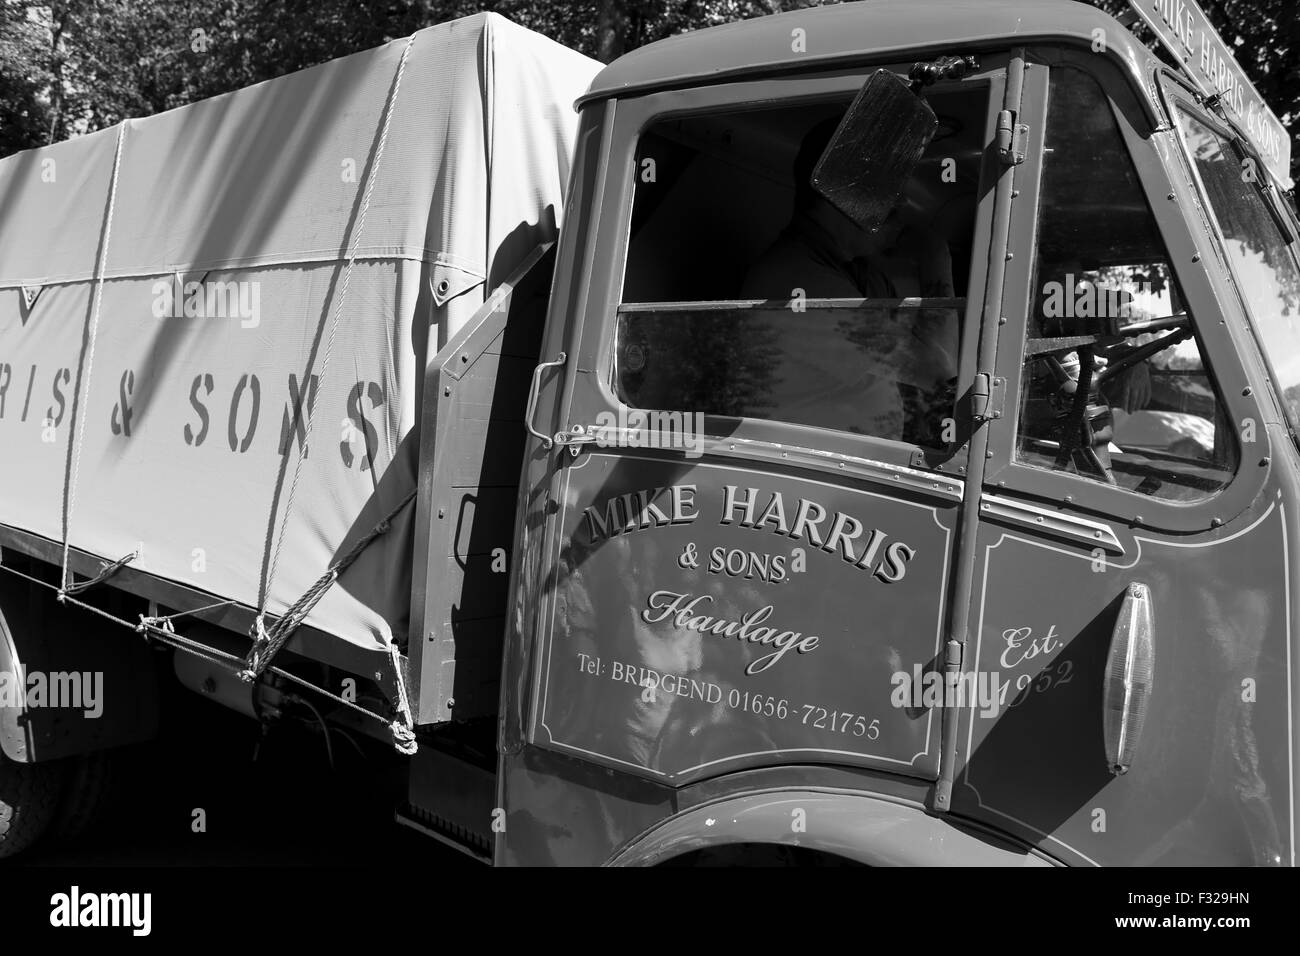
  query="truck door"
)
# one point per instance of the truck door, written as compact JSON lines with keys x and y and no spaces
{"x":1130,"y":588}
{"x":756,"y":495}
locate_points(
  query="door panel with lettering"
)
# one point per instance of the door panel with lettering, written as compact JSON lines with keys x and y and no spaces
{"x":1209,"y":780}
{"x":750,"y":544}
{"x":710,"y":617}
{"x":1082,"y":510}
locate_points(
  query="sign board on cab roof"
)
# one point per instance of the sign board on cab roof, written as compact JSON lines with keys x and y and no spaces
{"x":1187,"y":33}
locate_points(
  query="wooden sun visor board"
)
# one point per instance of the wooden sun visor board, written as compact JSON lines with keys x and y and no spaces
{"x":472,"y":445}
{"x":1188,"y":35}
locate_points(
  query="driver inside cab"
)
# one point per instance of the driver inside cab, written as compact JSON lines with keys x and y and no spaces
{"x":883,"y":371}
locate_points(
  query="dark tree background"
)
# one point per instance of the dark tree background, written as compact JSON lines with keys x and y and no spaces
{"x":70,"y":66}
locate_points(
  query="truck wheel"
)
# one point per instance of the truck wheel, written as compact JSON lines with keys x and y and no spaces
{"x":89,"y":780}
{"x":29,"y":800}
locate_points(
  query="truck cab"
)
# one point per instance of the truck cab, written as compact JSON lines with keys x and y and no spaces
{"x":819,"y":556}
{"x":893,"y":461}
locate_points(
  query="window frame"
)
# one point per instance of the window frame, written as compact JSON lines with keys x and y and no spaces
{"x":809,"y":446}
{"x":1152,"y":153}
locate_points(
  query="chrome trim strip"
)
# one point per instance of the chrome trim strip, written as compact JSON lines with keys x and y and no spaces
{"x":927,"y":482}
{"x":1078,"y":530}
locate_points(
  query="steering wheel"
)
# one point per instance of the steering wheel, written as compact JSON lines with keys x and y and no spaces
{"x":1178,"y":333}
{"x":1076,"y":445}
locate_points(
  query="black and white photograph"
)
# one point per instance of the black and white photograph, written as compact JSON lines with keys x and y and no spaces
{"x":447,"y":435}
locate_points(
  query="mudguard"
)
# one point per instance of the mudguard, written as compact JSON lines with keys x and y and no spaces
{"x":865,"y":829}
{"x":69,"y":683}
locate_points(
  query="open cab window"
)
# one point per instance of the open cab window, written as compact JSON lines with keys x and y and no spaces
{"x":747,"y":295}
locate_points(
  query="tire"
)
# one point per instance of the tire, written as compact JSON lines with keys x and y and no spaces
{"x":29,"y":802}
{"x":89,"y":780}
{"x":734,"y":855}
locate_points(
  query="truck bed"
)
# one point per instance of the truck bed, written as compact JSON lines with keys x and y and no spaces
{"x":464,"y":512}
{"x":224,"y":334}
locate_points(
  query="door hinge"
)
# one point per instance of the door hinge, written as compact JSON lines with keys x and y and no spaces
{"x":954,"y":651}
{"x":1011,"y":138}
{"x":952,"y":660}
{"x":986,"y":397}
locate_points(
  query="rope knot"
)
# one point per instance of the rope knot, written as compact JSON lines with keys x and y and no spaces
{"x":253,"y":661}
{"x":403,"y":738}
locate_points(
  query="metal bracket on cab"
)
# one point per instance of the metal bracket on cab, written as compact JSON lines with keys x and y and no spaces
{"x":533,"y":390}
{"x":574,"y":438}
{"x":571,"y":439}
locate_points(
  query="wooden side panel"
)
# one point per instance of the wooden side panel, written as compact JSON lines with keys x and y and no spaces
{"x":472,"y":444}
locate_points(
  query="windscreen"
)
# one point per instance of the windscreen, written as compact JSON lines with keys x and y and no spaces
{"x":1261,"y":258}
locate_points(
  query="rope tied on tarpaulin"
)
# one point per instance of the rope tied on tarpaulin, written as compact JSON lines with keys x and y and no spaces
{"x":148,"y":623}
{"x":403,"y":728}
{"x":166,"y":634}
{"x":309,"y":412}
{"x":165,"y":622}
{"x":106,"y":572}
{"x":87,"y":357}
{"x":268,"y":640}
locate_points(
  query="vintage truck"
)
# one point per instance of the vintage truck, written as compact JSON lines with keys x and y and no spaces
{"x":892,"y":461}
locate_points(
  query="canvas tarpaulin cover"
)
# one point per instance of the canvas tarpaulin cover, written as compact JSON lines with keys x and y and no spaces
{"x":218,"y":236}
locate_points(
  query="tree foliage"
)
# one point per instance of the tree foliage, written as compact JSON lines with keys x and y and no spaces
{"x":69,"y":66}
{"x":1265,"y":37}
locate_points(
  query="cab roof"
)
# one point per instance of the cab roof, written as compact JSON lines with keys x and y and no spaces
{"x":852,"y":31}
